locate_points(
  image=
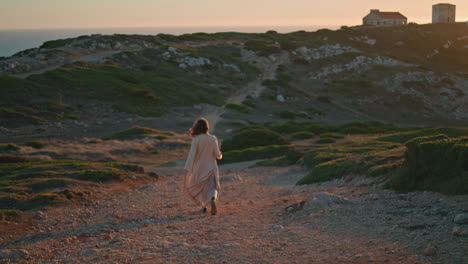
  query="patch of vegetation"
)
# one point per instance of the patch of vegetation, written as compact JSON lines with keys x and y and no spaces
{"x":262,"y":47}
{"x":325,"y":140}
{"x":138,"y":132}
{"x":434,"y":163}
{"x":359,"y":156}
{"x":424,"y":132}
{"x":33,"y":185}
{"x":239,"y":108}
{"x":371,"y":127}
{"x":286,"y":114}
{"x":35,"y":144}
{"x":303,"y":135}
{"x":252,"y":137}
{"x":331,"y":135}
{"x":56,"y":43}
{"x":315,"y":111}
{"x":8,"y":158}
{"x":324,"y":99}
{"x":332,"y":169}
{"x":249,"y":102}
{"x":292,"y":157}
{"x":9,"y":147}
{"x":10,"y":215}
{"x":254,"y":153}
{"x":137,"y":82}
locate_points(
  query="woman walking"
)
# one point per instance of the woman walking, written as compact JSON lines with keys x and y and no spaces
{"x":201,"y":180}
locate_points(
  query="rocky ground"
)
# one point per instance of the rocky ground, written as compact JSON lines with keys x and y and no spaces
{"x":263,"y":218}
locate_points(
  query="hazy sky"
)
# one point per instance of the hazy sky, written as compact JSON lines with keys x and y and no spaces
{"x":31,"y":14}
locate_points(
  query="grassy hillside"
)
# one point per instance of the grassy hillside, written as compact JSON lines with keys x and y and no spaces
{"x":429,"y":81}
{"x":28,"y":185}
{"x":140,"y":82}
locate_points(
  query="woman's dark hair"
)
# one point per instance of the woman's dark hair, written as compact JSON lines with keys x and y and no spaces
{"x":200,"y":126}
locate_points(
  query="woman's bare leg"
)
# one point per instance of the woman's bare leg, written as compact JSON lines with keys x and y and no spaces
{"x":214,"y":210}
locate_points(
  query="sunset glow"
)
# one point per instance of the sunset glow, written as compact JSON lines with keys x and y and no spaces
{"x":32,"y":14}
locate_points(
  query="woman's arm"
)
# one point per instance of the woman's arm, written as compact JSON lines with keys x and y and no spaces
{"x":217,"y":152}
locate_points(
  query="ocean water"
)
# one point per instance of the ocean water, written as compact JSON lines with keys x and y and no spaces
{"x":13,"y":41}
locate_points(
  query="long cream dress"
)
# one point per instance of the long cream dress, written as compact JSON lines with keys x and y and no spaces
{"x":201,"y":182}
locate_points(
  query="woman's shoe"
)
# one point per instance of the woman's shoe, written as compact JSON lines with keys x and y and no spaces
{"x":214,"y":210}
{"x":203,"y":210}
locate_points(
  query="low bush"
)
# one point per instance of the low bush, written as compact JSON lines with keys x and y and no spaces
{"x":333,"y":169}
{"x":43,"y":184}
{"x":10,"y":215}
{"x":138,"y":132}
{"x":324,"y":99}
{"x":239,"y":108}
{"x":303,"y":135}
{"x":286,"y":114}
{"x":292,"y":157}
{"x":253,"y":137}
{"x":249,"y":102}
{"x":331,"y":135}
{"x":435,"y":163}
{"x":424,"y":132}
{"x":35,"y":144}
{"x":255,"y":153}
{"x":314,"y":158}
{"x":7,"y":158}
{"x":9,"y":147}
{"x":261,"y":47}
{"x":326,"y":140}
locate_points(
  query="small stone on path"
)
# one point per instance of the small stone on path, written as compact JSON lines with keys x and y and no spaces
{"x":430,"y":251}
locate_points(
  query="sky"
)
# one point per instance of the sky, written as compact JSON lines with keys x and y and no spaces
{"x":52,"y":14}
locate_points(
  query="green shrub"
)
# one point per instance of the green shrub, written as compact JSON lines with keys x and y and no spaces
{"x":10,"y":215}
{"x":331,"y":135}
{"x":147,"y":67}
{"x":370,"y":127}
{"x":254,"y":153}
{"x":314,"y":158}
{"x":326,"y":140}
{"x":137,"y":132}
{"x":35,"y":144}
{"x":26,"y":186}
{"x":7,"y":158}
{"x":294,"y":126}
{"x":254,"y":137}
{"x":303,"y":135}
{"x":434,"y":163}
{"x":239,"y":108}
{"x":286,"y":114}
{"x":261,"y":47}
{"x":332,"y":170}
{"x":292,"y":156}
{"x":324,"y":99}
{"x":382,"y":169}
{"x":9,"y":147}
{"x":52,"y":44}
{"x":406,"y":136}
{"x":249,"y":102}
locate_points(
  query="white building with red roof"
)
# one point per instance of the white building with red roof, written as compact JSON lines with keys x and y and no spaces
{"x":377,"y":18}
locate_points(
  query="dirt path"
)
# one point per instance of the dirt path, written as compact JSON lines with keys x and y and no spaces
{"x":268,"y":68}
{"x":259,"y":221}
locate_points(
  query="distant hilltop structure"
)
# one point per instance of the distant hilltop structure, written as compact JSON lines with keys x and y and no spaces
{"x":377,"y":18}
{"x":443,"y":13}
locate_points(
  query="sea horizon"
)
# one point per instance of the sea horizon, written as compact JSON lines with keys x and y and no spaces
{"x":13,"y":41}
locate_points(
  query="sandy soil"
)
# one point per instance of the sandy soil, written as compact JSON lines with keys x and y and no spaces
{"x":260,"y":220}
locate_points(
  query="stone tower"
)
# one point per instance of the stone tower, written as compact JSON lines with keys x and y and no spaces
{"x":443,"y":13}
